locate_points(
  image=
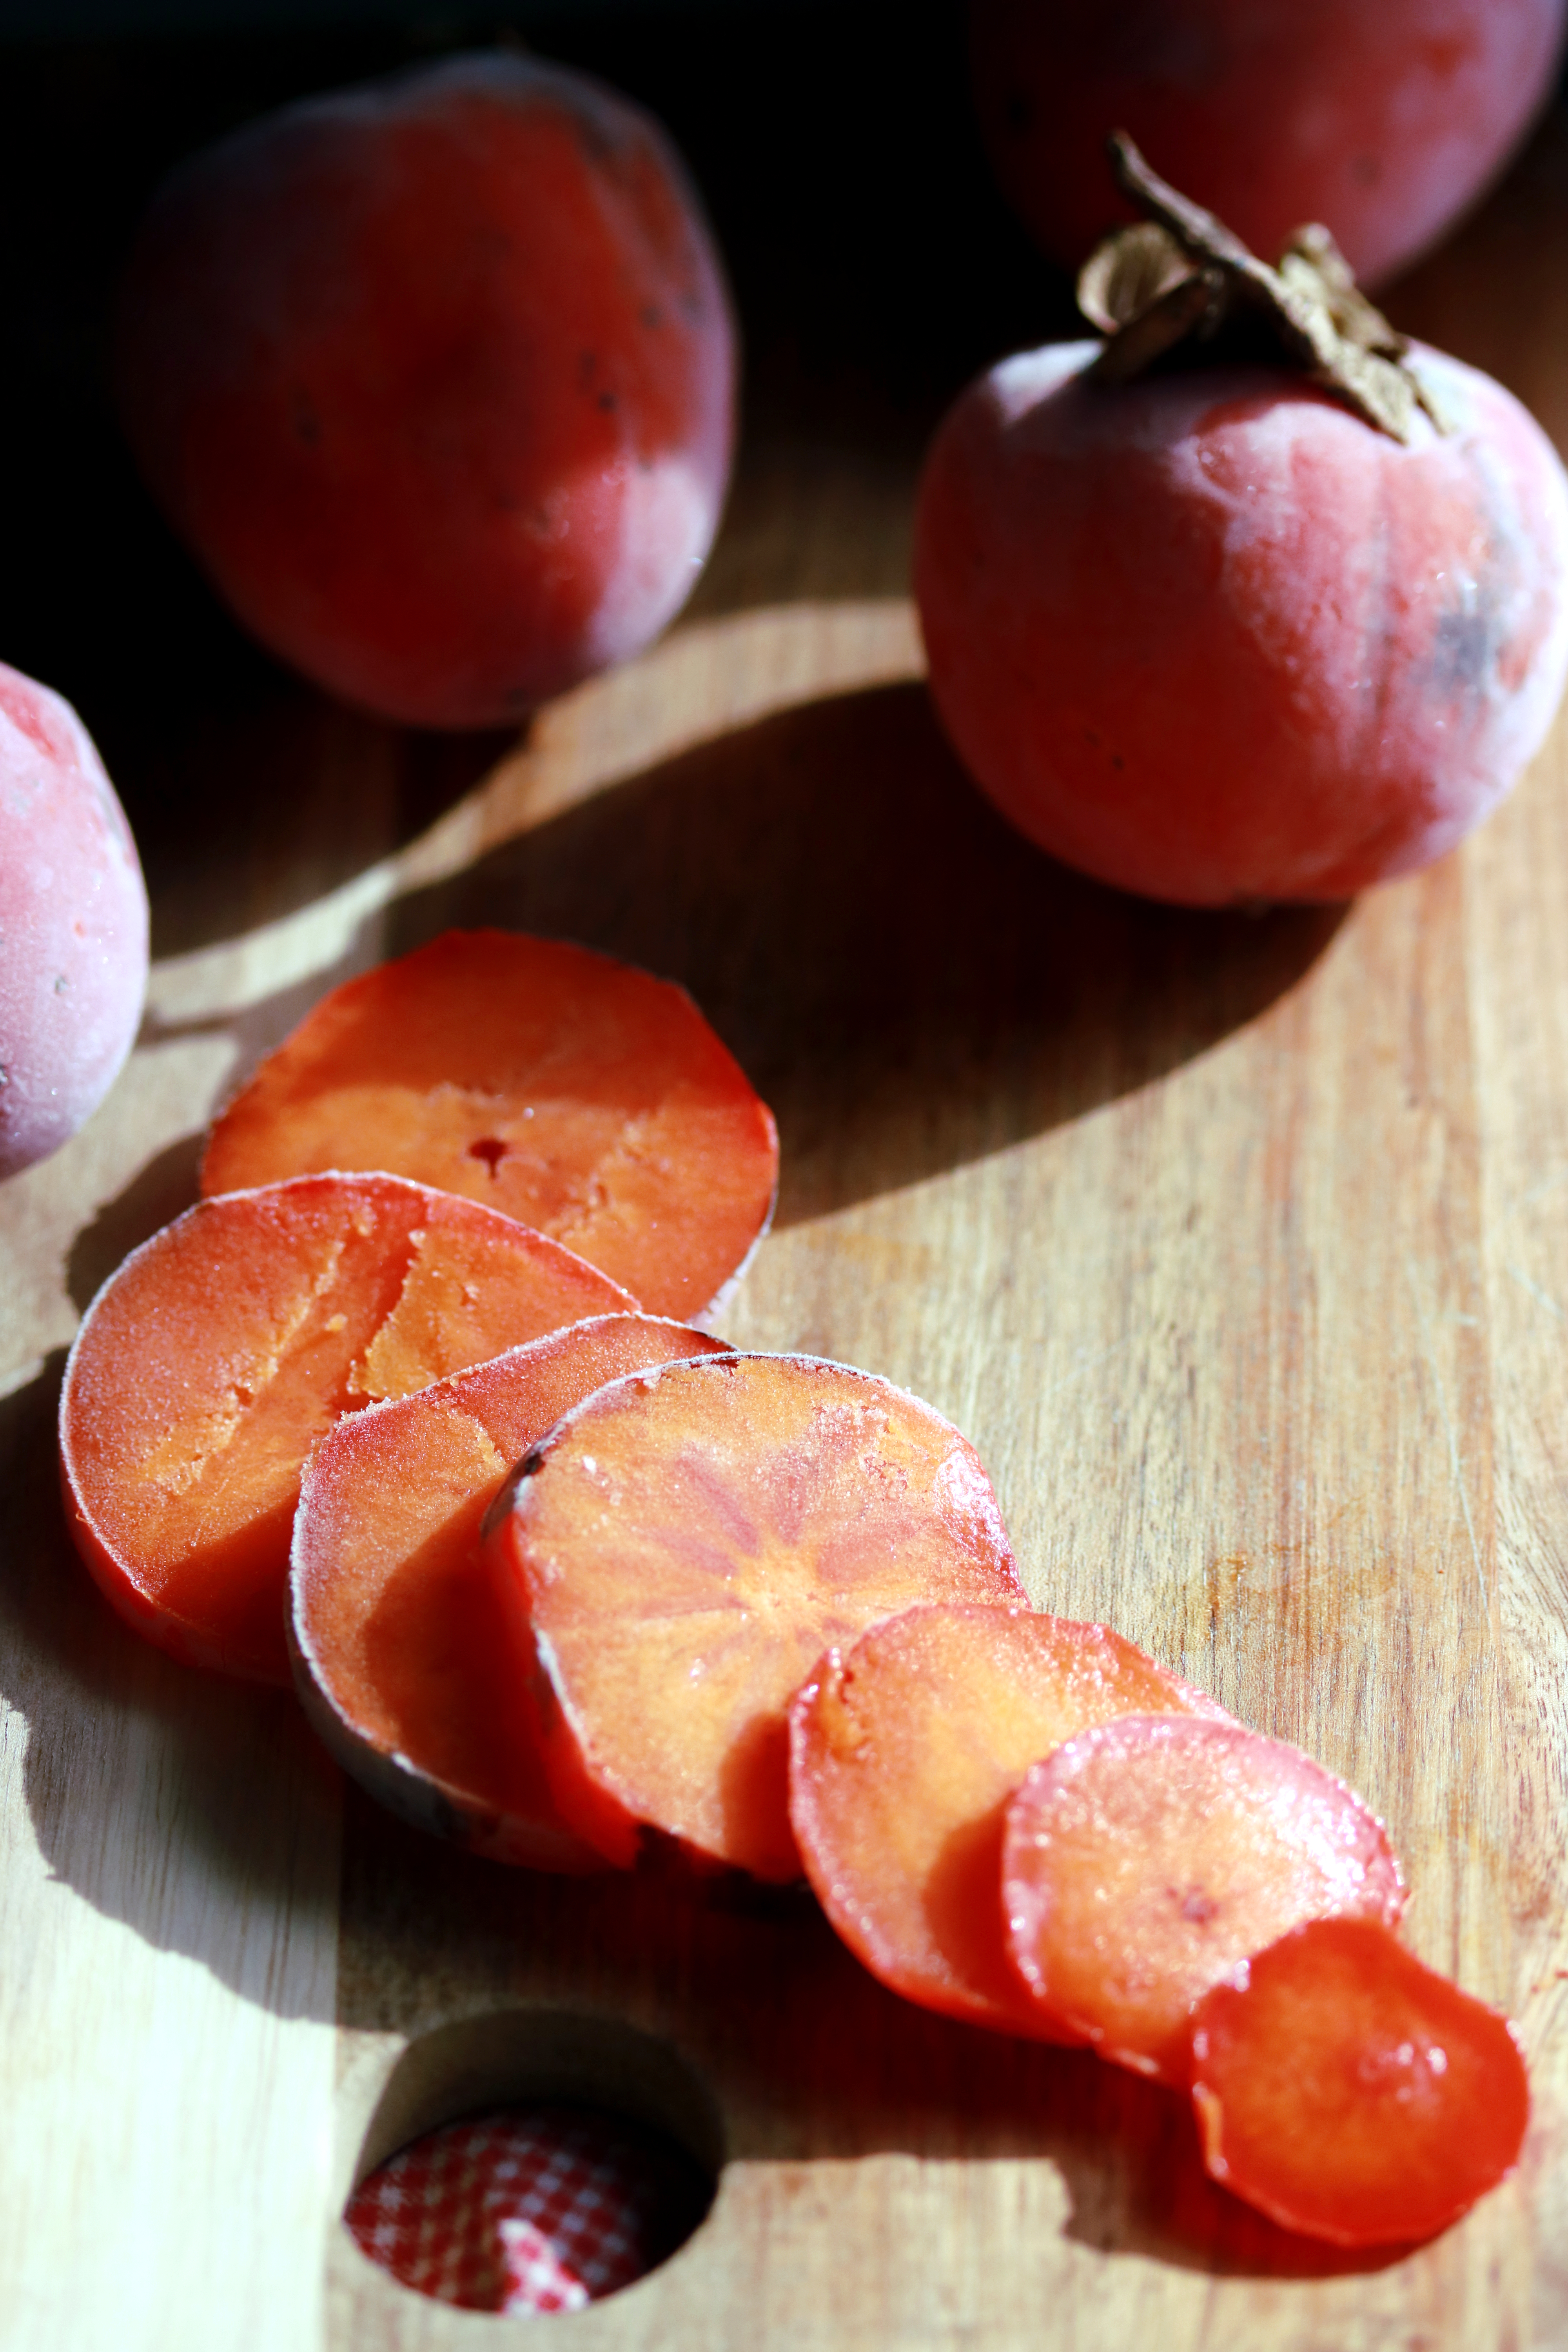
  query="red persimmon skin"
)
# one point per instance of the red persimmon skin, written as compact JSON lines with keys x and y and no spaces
{"x":1352,"y":2093}
{"x":1211,"y":637}
{"x":1383,"y":121}
{"x":73,"y":925}
{"x":436,"y":378}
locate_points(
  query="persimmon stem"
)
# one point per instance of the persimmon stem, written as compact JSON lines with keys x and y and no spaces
{"x":1179,"y":280}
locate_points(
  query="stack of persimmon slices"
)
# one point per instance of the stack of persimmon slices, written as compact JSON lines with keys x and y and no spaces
{"x":1025,"y":1822}
{"x":564,"y":1573}
{"x":533,"y":1125}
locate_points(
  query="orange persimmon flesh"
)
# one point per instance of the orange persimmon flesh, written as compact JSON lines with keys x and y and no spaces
{"x":576,"y":1094}
{"x":1145,"y":1858}
{"x":402,"y":1657}
{"x":206,"y":1369}
{"x":684,"y":1547}
{"x":1352,"y":2092}
{"x":903,"y":1753}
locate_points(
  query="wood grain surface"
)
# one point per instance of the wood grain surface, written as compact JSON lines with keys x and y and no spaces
{"x":1237,"y":1244}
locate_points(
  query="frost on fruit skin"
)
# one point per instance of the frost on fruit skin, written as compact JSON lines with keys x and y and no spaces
{"x":904,"y":1751}
{"x":1383,"y":121}
{"x":402,"y":1660}
{"x":208,"y":1366}
{"x":1208,"y":637}
{"x":682,"y":1548}
{"x":73,"y":925}
{"x":1147,"y":1857}
{"x":436,"y":377}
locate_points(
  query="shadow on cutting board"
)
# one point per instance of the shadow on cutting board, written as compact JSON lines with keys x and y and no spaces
{"x":197,"y":1812}
{"x":906,"y":981}
{"x":909,"y":984}
{"x":806,"y":2054}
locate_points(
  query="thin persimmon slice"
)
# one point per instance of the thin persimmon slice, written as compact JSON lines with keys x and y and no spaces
{"x":574,"y":1093}
{"x":402,"y":1657}
{"x":1145,"y":1857}
{"x":208,"y":1366}
{"x":903,"y":1753}
{"x":684,"y":1547}
{"x":1352,"y":2092}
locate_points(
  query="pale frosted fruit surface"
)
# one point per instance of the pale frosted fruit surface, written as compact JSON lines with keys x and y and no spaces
{"x":1146,"y":1857}
{"x":577,"y":1094}
{"x":1383,"y":121}
{"x":436,"y":376}
{"x":1352,"y":2092}
{"x":1212,"y":637}
{"x":903,"y":1754}
{"x":73,"y":925}
{"x":685,"y":1546}
{"x":207,"y":1368}
{"x":403,"y":1655}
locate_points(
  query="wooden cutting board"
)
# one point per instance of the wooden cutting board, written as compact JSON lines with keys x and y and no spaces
{"x":1238,"y":1244}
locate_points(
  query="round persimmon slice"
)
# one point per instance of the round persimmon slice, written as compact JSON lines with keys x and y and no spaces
{"x":1146,"y":1857}
{"x":903,"y":1754}
{"x":402,"y":1657}
{"x":574,"y":1093}
{"x":684,"y":1547}
{"x":208,"y":1366}
{"x":1351,"y":2092}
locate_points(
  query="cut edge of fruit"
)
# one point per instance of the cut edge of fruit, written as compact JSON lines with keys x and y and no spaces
{"x":426,"y":1799}
{"x":422,"y":1798}
{"x":1209,"y":2115}
{"x":1099,"y":2037}
{"x":705,"y":1317}
{"x":602,"y":1818}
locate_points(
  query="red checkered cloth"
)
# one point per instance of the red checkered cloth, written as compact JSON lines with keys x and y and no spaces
{"x":528,"y":2209}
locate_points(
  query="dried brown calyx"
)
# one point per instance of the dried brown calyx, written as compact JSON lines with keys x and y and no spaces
{"x":1180,"y":284}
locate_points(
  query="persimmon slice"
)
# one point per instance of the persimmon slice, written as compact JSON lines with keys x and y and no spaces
{"x":684,"y":1547}
{"x":1352,"y":2092}
{"x":1146,"y":1857}
{"x":206,"y":1369}
{"x":401,"y":1656}
{"x":576,"y":1094}
{"x":903,"y":1753}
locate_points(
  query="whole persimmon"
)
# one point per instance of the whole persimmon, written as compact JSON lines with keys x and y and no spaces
{"x":1384,"y":120}
{"x":436,"y":379}
{"x":73,"y":925}
{"x":1216,"y":634}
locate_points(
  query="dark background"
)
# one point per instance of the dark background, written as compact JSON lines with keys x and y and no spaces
{"x":874,"y":267}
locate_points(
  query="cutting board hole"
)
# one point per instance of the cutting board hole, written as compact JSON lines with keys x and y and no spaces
{"x":534,"y":2162}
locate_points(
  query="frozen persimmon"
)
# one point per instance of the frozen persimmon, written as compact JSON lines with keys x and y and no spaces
{"x":403,"y":1658}
{"x":73,"y":925}
{"x":1214,"y":633}
{"x":1352,"y":2092}
{"x":903,"y":1754}
{"x":206,"y":1369}
{"x":1384,"y":121}
{"x":436,"y":378}
{"x":1145,"y":1857}
{"x":683,"y":1548}
{"x":574,"y":1093}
